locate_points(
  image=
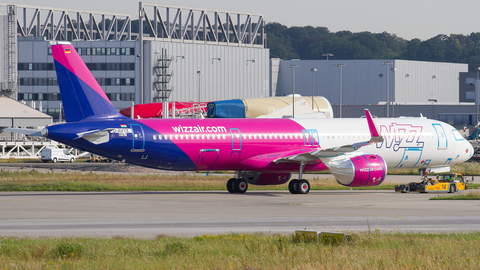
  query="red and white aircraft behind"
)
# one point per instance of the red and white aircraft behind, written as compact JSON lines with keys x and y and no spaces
{"x":262,"y":151}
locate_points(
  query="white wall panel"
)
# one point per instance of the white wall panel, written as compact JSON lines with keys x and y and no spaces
{"x":365,"y":82}
{"x":230,"y":77}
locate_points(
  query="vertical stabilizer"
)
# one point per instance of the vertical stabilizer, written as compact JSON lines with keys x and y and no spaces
{"x":82,"y":96}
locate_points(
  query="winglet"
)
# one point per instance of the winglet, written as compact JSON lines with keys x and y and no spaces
{"x":374,"y":133}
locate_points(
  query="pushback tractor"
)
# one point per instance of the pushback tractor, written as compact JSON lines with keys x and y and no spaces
{"x":449,"y":182}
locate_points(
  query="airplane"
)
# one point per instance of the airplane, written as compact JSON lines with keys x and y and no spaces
{"x":357,"y":151}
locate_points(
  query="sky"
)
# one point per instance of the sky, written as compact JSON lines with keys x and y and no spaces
{"x":408,"y":19}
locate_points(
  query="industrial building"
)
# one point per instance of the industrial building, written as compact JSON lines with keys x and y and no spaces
{"x":189,"y":54}
{"x":365,"y":81}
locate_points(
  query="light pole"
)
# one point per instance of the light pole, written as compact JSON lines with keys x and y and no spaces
{"x":327,"y":55}
{"x":199,"y":90}
{"x":293,"y":96}
{"x":476,"y":95}
{"x":393,"y":95}
{"x":388,"y":92}
{"x":313,"y":70}
{"x":340,"y":66}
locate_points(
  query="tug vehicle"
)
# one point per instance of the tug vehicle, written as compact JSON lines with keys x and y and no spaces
{"x":448,"y":182}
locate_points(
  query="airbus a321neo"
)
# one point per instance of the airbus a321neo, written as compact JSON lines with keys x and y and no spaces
{"x":357,"y":151}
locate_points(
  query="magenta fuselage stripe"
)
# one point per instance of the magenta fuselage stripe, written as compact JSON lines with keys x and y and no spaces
{"x":73,"y":62}
{"x":251,"y":153}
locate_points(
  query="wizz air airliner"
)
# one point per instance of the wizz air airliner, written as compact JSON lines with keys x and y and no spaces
{"x":357,"y":151}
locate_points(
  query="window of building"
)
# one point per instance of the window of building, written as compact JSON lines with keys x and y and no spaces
{"x":470,"y":81}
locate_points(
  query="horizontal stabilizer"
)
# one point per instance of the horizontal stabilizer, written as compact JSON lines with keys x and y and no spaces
{"x":26,"y":131}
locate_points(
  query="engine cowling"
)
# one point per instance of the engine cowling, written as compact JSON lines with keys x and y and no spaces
{"x":359,"y":171}
{"x":256,"y":178}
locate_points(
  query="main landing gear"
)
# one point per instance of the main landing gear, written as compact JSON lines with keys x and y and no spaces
{"x":235,"y":185}
{"x":301,"y":186}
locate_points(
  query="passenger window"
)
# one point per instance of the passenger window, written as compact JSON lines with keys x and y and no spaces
{"x":160,"y":137}
{"x":154,"y":137}
{"x":176,"y":137}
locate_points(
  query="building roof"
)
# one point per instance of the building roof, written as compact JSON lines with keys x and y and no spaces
{"x":10,"y":108}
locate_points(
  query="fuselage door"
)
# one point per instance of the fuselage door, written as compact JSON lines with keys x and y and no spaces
{"x":207,"y":159}
{"x":138,"y":138}
{"x":236,"y":139}
{"x":442,"y":143}
{"x":310,"y":137}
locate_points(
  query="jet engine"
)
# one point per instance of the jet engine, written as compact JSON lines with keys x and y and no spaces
{"x":358,"y":171}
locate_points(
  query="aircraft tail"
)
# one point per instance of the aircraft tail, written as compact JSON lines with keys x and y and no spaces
{"x":82,"y":96}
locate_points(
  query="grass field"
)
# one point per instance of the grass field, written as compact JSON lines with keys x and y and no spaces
{"x":81,"y":181}
{"x":373,"y":250}
{"x":468,"y":195}
{"x":77,"y":181}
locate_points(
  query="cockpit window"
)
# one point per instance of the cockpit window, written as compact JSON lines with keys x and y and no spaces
{"x":457,"y":135}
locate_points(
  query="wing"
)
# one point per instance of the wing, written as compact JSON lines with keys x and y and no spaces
{"x":312,"y":156}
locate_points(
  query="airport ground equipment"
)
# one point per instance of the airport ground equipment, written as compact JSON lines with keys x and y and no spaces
{"x":449,"y":182}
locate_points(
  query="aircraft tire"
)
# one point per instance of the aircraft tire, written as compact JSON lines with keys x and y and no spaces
{"x":303,"y":186}
{"x":292,"y":186}
{"x":231,"y":185}
{"x":240,"y":185}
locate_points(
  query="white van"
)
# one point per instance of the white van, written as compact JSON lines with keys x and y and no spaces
{"x":55,"y":154}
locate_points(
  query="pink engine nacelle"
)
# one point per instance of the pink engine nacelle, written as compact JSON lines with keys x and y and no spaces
{"x":362,"y":171}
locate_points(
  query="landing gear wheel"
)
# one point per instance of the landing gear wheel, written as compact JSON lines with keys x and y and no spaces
{"x":303,"y":186}
{"x":292,"y":186}
{"x":230,"y":185}
{"x":240,"y":185}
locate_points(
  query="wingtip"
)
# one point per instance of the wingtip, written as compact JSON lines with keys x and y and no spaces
{"x":374,"y":132}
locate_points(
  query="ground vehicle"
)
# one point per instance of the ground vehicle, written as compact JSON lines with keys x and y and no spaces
{"x":449,"y":182}
{"x":55,"y":154}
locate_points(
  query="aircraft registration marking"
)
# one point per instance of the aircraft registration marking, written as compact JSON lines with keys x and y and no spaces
{"x":122,"y":132}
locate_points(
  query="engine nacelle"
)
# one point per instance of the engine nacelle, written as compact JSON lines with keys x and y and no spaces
{"x":359,"y":171}
{"x":256,"y":178}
